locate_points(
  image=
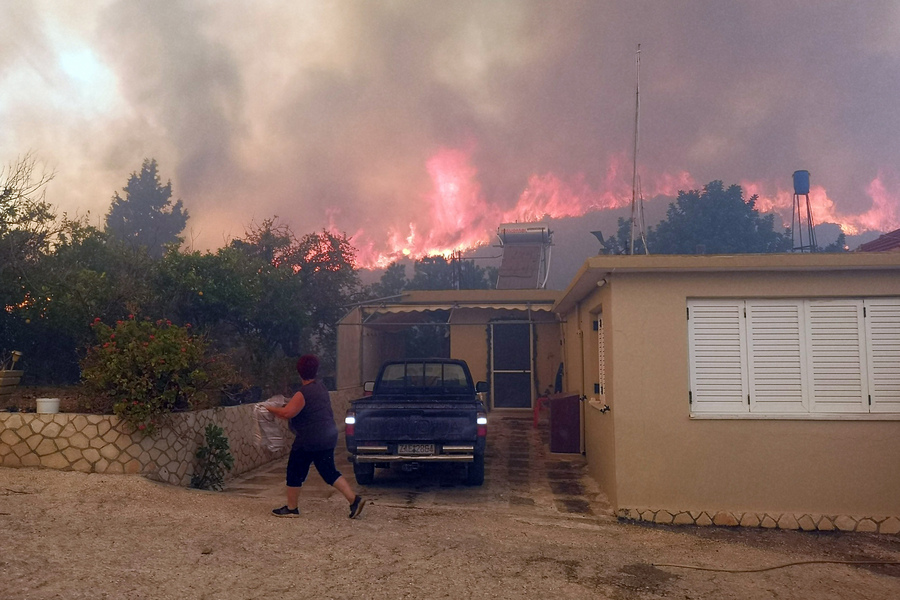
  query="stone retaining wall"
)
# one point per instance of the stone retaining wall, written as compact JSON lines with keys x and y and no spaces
{"x":105,"y":444}
{"x":805,"y":521}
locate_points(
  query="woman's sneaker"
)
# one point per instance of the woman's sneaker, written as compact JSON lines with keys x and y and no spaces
{"x":284,"y":511}
{"x":356,"y":507}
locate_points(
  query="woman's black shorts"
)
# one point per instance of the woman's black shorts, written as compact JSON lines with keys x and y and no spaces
{"x":299,"y":461}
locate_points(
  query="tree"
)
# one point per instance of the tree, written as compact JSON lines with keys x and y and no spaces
{"x":244,"y":303}
{"x":716,"y":220}
{"x":713,"y":220}
{"x":439,"y":273}
{"x":325,"y":264}
{"x":146,"y":217}
{"x":828,"y":231}
{"x":26,"y":219}
{"x":271,"y":242}
{"x":432,"y":337}
{"x":87,"y":275}
{"x":265,"y":296}
{"x":620,"y":243}
{"x":27,"y":227}
{"x":839,"y":245}
{"x":392,"y":282}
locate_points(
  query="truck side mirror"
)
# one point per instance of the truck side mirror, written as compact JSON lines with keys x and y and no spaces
{"x":482,"y":386}
{"x":368,"y":387}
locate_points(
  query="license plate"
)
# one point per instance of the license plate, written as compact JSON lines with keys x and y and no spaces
{"x":415,"y":449}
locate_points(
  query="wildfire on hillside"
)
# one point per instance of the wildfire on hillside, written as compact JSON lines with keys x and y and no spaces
{"x":456,"y":215}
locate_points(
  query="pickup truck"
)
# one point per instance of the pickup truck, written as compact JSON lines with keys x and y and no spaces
{"x":419,"y":411}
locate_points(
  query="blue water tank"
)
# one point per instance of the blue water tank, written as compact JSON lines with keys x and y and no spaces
{"x":801,"y":183}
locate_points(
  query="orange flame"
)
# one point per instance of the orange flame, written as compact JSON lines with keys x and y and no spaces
{"x":456,"y":216}
{"x":884,"y":214}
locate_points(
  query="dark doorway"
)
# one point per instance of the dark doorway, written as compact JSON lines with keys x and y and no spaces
{"x":511,"y":377}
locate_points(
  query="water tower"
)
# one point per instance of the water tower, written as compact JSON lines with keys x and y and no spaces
{"x":799,"y":220}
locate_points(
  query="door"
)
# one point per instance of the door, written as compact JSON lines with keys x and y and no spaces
{"x":512,"y":384}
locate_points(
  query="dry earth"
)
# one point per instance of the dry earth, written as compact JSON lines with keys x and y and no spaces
{"x":71,"y":535}
{"x":538,"y":528}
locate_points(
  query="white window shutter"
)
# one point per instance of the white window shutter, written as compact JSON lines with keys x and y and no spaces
{"x":718,"y":356}
{"x":776,"y":356}
{"x":836,"y":356}
{"x":883,"y":346}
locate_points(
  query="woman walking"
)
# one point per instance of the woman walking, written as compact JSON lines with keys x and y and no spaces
{"x":311,"y":418}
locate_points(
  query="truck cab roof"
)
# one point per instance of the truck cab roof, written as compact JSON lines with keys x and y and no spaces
{"x":424,"y":376}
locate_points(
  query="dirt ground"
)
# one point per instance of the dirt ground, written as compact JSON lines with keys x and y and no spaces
{"x":538,"y":528}
{"x":71,"y":535}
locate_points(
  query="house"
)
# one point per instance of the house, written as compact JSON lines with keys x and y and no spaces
{"x":889,"y":242}
{"x":758,"y":390}
{"x":509,"y":338}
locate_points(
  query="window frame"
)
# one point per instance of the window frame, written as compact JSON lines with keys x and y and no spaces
{"x":829,"y":352}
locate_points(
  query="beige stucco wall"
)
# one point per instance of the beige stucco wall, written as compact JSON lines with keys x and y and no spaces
{"x":340,"y":402}
{"x":350,"y":345}
{"x":468,"y":340}
{"x":581,"y":373}
{"x":362,"y":350}
{"x":647,"y":452}
{"x":548,"y":351}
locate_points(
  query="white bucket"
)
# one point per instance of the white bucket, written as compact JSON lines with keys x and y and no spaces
{"x":48,"y":405}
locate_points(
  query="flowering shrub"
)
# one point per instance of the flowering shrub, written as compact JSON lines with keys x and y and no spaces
{"x":145,"y":370}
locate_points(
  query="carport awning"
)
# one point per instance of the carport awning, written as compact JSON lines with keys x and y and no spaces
{"x":398,"y":320}
{"x":416,"y":308}
{"x":400,"y":315}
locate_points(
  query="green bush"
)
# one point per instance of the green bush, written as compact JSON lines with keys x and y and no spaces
{"x":144,"y":370}
{"x":213,"y":460}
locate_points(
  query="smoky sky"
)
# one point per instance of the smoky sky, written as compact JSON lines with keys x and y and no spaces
{"x":326,"y":114}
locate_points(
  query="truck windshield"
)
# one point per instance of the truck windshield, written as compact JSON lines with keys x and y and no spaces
{"x":424,"y":378}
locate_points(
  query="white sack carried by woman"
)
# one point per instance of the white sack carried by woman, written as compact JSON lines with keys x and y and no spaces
{"x":268,"y":432}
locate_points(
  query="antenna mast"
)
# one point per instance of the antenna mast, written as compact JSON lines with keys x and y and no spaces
{"x":637,"y":199}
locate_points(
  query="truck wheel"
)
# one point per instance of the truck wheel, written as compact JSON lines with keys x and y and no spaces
{"x":475,"y":475}
{"x":364,"y":473}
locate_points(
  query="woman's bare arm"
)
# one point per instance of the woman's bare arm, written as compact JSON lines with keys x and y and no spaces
{"x":289,"y":410}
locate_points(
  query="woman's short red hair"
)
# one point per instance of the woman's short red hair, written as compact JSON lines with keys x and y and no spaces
{"x":308,"y":366}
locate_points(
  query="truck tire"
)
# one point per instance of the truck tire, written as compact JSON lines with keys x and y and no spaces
{"x":475,"y":474}
{"x":364,"y":473}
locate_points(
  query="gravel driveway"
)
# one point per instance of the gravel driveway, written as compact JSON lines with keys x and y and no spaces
{"x":538,"y":528}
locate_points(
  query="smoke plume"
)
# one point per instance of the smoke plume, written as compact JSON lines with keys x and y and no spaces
{"x":420,"y":126}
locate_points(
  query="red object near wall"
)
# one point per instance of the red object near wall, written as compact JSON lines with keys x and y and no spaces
{"x":565,"y":423}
